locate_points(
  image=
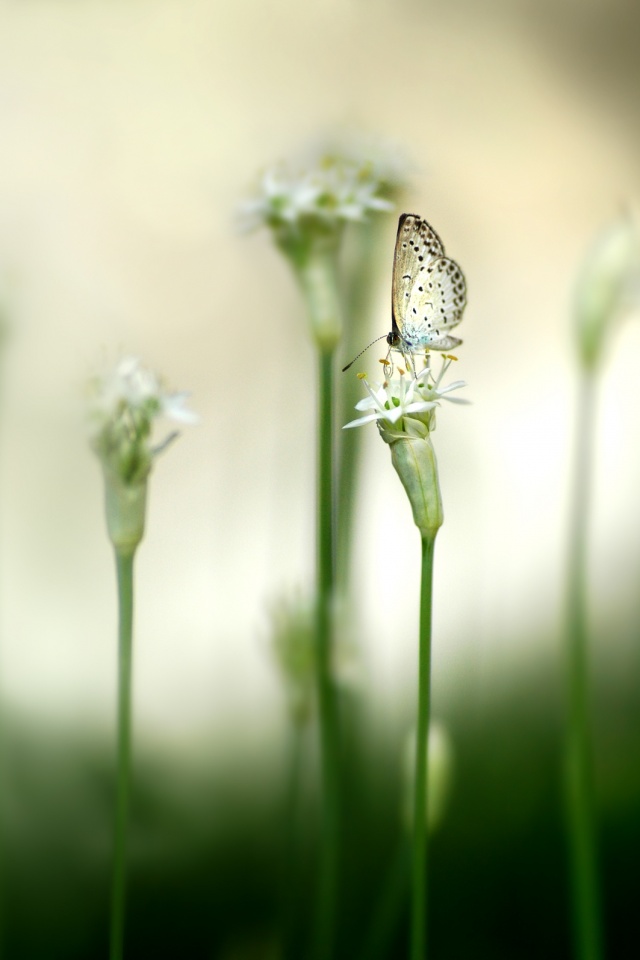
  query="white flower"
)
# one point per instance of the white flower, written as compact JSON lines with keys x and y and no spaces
{"x":406,"y":405}
{"x":122,"y":407}
{"x":330,"y":192}
{"x":131,"y":386}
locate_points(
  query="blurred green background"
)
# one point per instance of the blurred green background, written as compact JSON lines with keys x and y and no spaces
{"x":129,"y":132}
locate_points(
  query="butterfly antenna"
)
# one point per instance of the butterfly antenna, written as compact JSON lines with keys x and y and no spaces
{"x":383,"y":337}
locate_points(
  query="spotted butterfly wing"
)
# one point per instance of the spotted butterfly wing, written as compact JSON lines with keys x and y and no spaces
{"x":428,"y":291}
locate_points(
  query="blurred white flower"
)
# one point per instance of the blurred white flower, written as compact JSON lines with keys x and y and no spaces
{"x":132,"y":387}
{"x":327,"y":194}
{"x":122,"y":406}
{"x":306,"y":208}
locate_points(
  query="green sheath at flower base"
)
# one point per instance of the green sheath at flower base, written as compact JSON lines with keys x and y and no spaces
{"x":126,"y":507}
{"x":122,"y":407}
{"x":609,"y":286}
{"x":415,"y":464}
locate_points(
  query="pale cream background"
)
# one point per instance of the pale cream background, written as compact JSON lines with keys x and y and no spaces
{"x":128,"y":131}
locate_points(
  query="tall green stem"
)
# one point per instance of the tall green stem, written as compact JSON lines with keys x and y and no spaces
{"x":419,"y":874}
{"x":316,"y":268}
{"x":327,"y":703}
{"x":578,"y":743}
{"x":124,"y":570}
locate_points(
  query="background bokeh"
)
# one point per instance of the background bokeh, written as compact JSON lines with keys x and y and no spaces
{"x":129,"y":133}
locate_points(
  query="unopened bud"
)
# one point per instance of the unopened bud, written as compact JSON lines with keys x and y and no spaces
{"x":608,"y":286}
{"x":415,"y":462}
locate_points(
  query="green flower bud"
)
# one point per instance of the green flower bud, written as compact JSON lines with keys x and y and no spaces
{"x":605,"y":288}
{"x":415,"y":462}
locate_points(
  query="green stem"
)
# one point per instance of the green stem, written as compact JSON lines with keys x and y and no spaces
{"x":578,"y":743}
{"x":419,"y":873}
{"x":124,"y":570}
{"x":327,"y":702}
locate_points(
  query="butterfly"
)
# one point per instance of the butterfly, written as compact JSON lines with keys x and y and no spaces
{"x":428,"y":292}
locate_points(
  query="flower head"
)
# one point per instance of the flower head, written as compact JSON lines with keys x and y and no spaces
{"x":315,"y":201}
{"x":406,"y":406}
{"x":404,"y":410}
{"x":122,"y":407}
{"x":306,"y":208}
{"x":335,"y":189}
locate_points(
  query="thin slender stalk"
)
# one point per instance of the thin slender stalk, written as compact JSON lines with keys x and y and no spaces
{"x":578,"y":743}
{"x":124,"y":570}
{"x":327,"y":703}
{"x":419,"y":873}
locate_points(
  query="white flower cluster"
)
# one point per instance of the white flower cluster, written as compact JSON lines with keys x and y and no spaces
{"x":333,"y":191}
{"x":122,"y":406}
{"x":406,"y":406}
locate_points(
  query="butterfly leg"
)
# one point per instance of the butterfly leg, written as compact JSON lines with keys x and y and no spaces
{"x":410,"y":362}
{"x":387,"y":365}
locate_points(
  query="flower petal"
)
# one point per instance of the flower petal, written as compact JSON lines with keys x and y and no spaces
{"x":361,"y":420}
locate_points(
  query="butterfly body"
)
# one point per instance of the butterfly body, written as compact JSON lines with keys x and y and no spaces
{"x":428,"y":293}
